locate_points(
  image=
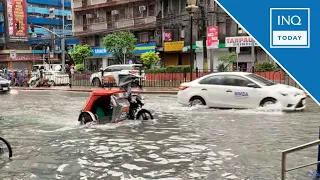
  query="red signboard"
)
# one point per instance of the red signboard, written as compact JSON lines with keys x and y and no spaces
{"x":17,"y":20}
{"x":212,"y":37}
{"x":167,"y":36}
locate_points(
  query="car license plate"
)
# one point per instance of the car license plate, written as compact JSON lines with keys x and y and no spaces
{"x":5,"y":89}
{"x":304,"y":102}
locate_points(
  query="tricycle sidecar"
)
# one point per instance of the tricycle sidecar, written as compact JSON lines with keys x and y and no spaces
{"x":105,"y":106}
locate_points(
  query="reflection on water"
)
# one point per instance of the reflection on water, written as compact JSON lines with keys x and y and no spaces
{"x":181,"y":143}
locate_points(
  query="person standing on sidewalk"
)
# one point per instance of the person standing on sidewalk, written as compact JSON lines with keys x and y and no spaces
{"x":68,"y":70}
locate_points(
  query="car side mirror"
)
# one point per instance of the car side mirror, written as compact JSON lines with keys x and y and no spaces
{"x":253,"y":85}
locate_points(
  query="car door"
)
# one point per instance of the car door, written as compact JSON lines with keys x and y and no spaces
{"x":212,"y":90}
{"x":238,"y":94}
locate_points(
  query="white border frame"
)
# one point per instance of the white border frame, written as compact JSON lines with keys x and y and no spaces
{"x":271,"y":35}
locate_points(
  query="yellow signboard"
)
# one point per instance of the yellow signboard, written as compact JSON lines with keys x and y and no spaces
{"x":173,"y":46}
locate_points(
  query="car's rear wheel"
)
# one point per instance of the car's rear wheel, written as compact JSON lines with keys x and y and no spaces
{"x":96,"y":82}
{"x":267,"y":102}
{"x":33,"y":83}
{"x":51,"y":83}
{"x":197,"y":100}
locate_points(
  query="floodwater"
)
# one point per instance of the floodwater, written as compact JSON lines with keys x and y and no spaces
{"x":181,"y":143}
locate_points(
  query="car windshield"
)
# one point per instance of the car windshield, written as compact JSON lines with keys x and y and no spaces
{"x":261,"y":80}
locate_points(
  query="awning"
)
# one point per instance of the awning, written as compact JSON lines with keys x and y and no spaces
{"x":96,"y":57}
{"x":143,"y":48}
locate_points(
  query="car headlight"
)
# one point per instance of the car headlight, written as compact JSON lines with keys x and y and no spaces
{"x":299,"y":94}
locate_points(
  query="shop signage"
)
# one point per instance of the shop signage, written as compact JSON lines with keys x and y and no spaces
{"x":167,"y":36}
{"x":173,"y":46}
{"x":99,"y":51}
{"x":17,"y":20}
{"x":212,"y":37}
{"x":240,"y":41}
{"x":27,"y":57}
{"x":19,"y":57}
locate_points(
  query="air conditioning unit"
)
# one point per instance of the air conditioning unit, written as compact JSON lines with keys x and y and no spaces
{"x":142,"y":8}
{"x":182,"y":34}
{"x":114,"y":12}
{"x":69,"y":17}
{"x":88,"y":16}
{"x":51,"y":10}
{"x":240,"y":30}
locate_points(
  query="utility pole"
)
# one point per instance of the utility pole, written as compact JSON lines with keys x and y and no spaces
{"x":204,"y":36}
{"x":162,"y":26}
{"x":63,"y":48}
{"x":253,"y":58}
{"x":214,"y":23}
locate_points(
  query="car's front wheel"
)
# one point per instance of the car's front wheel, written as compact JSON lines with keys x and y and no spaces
{"x":268,"y":102}
{"x":197,"y":100}
{"x":96,"y":82}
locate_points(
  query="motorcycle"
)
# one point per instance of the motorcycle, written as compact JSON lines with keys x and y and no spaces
{"x":136,"y":111}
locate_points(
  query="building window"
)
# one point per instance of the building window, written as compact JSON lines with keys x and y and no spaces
{"x":84,"y":41}
{"x":96,"y":40}
{"x":144,"y":37}
{"x":151,"y":10}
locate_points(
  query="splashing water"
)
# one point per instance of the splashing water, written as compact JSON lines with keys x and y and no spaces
{"x":13,"y":92}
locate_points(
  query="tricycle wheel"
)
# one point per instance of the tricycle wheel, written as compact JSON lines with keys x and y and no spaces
{"x":85,"y":119}
{"x":144,"y":114}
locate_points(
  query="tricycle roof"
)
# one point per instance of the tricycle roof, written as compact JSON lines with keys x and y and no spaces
{"x":105,"y":92}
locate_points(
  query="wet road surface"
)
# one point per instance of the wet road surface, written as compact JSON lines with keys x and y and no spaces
{"x":182,"y":143}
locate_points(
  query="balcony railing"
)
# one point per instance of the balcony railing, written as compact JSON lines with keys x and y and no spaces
{"x":103,"y":24}
{"x":79,"y":6}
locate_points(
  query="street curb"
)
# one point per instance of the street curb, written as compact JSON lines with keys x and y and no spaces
{"x":90,"y":90}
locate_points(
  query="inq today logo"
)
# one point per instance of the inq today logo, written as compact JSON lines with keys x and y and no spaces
{"x":289,"y":27}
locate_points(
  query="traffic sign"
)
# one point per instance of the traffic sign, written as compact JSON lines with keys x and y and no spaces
{"x":290,"y":27}
{"x":238,"y":49}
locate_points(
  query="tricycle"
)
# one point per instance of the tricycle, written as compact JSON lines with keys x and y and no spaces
{"x":114,"y":105}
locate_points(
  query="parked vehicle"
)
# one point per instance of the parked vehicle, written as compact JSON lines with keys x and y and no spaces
{"x":53,"y":77}
{"x":240,"y":90}
{"x":4,"y":84}
{"x":114,"y":70}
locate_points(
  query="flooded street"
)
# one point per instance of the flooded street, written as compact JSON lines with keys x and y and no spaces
{"x":181,"y":143}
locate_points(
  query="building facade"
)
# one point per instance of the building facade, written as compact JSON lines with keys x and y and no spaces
{"x":20,"y":47}
{"x":174,"y":45}
{"x":94,"y":19}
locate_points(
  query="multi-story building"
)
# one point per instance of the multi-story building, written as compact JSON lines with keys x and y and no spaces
{"x":20,"y":47}
{"x":96,"y":18}
{"x":175,"y":44}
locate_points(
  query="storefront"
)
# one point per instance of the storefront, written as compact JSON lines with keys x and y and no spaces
{"x":172,"y":54}
{"x":101,"y":58}
{"x":245,"y":60}
{"x":21,"y":62}
{"x":98,"y":60}
{"x":143,"y":48}
{"x":215,"y":53}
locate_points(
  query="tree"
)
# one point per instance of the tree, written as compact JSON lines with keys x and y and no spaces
{"x":116,"y":42}
{"x":226,"y":60}
{"x":149,"y":58}
{"x":80,"y":52}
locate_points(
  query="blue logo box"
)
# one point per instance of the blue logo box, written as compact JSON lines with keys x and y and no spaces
{"x":289,"y":27}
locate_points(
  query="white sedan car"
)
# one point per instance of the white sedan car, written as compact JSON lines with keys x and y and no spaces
{"x":240,"y":90}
